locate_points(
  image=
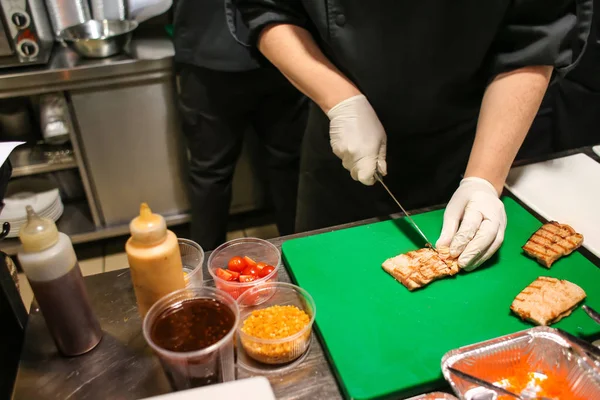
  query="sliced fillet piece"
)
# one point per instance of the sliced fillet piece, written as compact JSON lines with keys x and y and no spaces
{"x":416,"y":269}
{"x":547,"y":300}
{"x":551,"y":242}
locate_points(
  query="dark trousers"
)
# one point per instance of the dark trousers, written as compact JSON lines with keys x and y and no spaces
{"x":217,"y":108}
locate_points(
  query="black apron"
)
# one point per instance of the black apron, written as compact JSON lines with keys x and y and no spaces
{"x":421,"y":172}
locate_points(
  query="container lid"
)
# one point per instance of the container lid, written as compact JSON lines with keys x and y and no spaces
{"x":148,"y":228}
{"x":38,"y":233}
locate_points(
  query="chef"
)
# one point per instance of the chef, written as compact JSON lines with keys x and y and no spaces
{"x":225,"y":93}
{"x":422,"y":91}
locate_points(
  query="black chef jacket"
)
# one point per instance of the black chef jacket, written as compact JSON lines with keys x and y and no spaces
{"x":202,"y":37}
{"x":424,"y":66}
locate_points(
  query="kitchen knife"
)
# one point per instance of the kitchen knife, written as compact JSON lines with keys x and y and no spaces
{"x":412,"y":222}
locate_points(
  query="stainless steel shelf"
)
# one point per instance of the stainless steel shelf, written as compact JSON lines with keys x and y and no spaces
{"x":35,"y":160}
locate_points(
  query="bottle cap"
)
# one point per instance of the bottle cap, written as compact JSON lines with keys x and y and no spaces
{"x":38,"y":233}
{"x":148,"y":228}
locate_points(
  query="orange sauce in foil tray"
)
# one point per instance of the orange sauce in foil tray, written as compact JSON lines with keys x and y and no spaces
{"x":537,"y":384}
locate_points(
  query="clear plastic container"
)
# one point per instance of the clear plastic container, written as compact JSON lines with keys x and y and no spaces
{"x":213,"y":364}
{"x":192,"y":258}
{"x":276,"y":351}
{"x":257,"y":249}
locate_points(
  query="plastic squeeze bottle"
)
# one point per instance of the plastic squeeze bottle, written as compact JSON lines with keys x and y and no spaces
{"x":51,"y":266}
{"x":154,"y":259}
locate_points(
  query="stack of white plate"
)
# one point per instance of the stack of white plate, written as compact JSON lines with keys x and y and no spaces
{"x":46,"y":203}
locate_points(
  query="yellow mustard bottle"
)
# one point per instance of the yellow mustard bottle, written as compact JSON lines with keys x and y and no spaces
{"x":154,"y":259}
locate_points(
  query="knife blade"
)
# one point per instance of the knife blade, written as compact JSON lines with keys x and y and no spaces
{"x":484,"y":383}
{"x":592,"y":313}
{"x":406,"y":214}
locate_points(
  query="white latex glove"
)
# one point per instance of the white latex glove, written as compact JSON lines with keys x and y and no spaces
{"x":358,"y":138}
{"x":474,"y":223}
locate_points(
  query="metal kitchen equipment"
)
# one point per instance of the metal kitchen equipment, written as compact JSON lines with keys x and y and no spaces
{"x":25,"y":33}
{"x":546,"y":353}
{"x":109,"y":9}
{"x":99,"y":39}
{"x":64,"y":14}
{"x":482,"y":382}
{"x":592,"y":313}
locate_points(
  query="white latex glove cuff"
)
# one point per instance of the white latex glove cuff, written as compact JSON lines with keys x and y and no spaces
{"x":474,"y":223}
{"x":358,"y":138}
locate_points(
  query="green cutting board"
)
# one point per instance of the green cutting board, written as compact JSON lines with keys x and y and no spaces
{"x":382,"y":339}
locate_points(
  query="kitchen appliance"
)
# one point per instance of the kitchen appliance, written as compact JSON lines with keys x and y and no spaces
{"x":64,"y":14}
{"x":382,"y":339}
{"x":109,"y":9}
{"x":25,"y":33}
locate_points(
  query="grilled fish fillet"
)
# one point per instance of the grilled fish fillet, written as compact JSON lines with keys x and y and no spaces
{"x":418,"y":268}
{"x":551,"y":242}
{"x":547,"y":300}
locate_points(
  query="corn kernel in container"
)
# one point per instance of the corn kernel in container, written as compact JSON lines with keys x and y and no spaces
{"x":276,"y":322}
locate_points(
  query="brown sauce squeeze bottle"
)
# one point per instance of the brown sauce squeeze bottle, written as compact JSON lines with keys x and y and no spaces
{"x":49,"y":261}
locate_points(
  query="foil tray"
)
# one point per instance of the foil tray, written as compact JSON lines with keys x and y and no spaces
{"x":434,"y":396}
{"x":532,"y":357}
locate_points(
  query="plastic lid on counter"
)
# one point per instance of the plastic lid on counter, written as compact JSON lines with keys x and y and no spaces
{"x":434,"y":396}
{"x":38,"y":233}
{"x":148,"y":228}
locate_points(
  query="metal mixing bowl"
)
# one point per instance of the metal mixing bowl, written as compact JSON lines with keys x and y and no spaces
{"x":99,"y":39}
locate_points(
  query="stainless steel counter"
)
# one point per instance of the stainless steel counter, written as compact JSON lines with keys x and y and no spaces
{"x":123,"y":367}
{"x":147,"y":57}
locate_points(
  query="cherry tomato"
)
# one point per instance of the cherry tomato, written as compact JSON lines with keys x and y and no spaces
{"x":237,"y":264}
{"x":249,"y":261}
{"x":247,"y":278}
{"x":223,"y":274}
{"x":251,"y":270}
{"x":236,"y":275}
{"x":261,"y":265}
{"x":266,"y":271}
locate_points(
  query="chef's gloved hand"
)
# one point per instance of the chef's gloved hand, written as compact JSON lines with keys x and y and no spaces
{"x":358,"y":138}
{"x":474,"y":223}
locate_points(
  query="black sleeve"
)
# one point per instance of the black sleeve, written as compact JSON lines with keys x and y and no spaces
{"x":542,"y":32}
{"x":257,"y":14}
